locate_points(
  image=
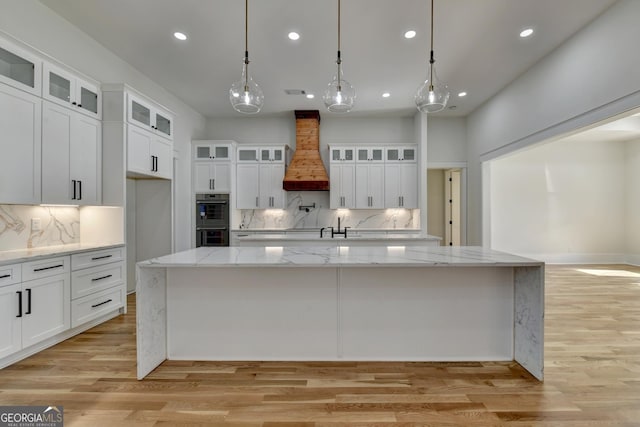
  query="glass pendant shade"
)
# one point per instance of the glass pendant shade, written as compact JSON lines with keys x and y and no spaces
{"x":433,"y":95}
{"x":340,"y":95}
{"x":245,"y":94}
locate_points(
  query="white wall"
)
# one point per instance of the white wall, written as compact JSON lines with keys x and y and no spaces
{"x":447,"y":140}
{"x":561,"y":202}
{"x":35,"y":24}
{"x":590,"y":77}
{"x":632,"y":180}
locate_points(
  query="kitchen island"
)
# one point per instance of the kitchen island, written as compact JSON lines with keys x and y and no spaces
{"x":332,"y":303}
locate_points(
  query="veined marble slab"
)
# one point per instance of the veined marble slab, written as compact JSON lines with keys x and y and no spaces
{"x":340,"y":256}
{"x":21,"y":255}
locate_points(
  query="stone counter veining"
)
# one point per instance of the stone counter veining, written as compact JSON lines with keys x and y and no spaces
{"x":23,"y":255}
{"x":340,"y":256}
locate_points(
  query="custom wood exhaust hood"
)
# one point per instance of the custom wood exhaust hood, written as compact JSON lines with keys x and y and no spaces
{"x":306,"y":171}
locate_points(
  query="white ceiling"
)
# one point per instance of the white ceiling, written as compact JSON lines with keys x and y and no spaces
{"x":476,"y":45}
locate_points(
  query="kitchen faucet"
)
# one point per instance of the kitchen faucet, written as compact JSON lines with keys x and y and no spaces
{"x":333,"y":233}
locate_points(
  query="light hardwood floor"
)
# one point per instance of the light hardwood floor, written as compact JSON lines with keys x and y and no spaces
{"x":592,"y":376}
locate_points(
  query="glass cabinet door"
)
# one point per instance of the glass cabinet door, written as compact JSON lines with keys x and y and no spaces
{"x":59,"y":86}
{"x":17,"y":69}
{"x":163,"y":124}
{"x":203,"y":152}
{"x":363,"y":154}
{"x":409,"y":154}
{"x":393,"y":154}
{"x":140,"y":113}
{"x":348,"y":154}
{"x":88,"y":99}
{"x":277,"y":155}
{"x":376,"y":154}
{"x":221,"y":152}
{"x":265,"y":154}
{"x":247,"y":155}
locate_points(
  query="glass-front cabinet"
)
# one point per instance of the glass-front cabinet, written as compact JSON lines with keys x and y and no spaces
{"x":19,"y":68}
{"x":144,"y":114}
{"x":342,"y":154}
{"x":272,"y":155}
{"x":65,"y":88}
{"x":370,"y":154}
{"x":399,"y":154}
{"x":212,"y":150}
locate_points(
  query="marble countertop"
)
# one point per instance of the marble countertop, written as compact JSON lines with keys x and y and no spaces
{"x":340,"y":256}
{"x":314,"y":234}
{"x":22,"y":255}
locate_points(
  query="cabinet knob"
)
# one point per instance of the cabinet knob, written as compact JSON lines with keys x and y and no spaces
{"x":73,"y":103}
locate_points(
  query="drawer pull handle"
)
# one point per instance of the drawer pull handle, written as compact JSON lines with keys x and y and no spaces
{"x":102,"y":278}
{"x":102,"y":303}
{"x":48,"y":268}
{"x":100,"y":257}
{"x":28,"y":302}
{"x":5,"y":276}
{"x":19,"y":303}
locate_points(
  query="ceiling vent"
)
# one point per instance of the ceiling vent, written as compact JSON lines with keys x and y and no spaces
{"x":306,"y":171}
{"x":295,"y":92}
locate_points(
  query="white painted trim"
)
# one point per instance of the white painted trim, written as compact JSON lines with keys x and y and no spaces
{"x":446,"y":165}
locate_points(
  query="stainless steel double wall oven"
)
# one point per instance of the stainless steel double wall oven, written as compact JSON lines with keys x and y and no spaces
{"x":212,"y":220}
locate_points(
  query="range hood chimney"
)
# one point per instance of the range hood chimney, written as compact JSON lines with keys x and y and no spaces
{"x":306,"y":171}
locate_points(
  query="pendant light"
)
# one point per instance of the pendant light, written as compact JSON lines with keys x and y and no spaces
{"x":245,"y":94}
{"x":433,"y":95}
{"x":340,"y":94}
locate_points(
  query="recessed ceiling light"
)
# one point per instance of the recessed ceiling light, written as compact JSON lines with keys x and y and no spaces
{"x":310,"y":96}
{"x":526,"y":33}
{"x":293,"y":35}
{"x":179,"y":35}
{"x":386,"y":95}
{"x":461,"y":94}
{"x":409,"y":34}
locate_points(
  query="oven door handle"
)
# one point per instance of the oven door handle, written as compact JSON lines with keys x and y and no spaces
{"x":212,"y":202}
{"x":211,"y":228}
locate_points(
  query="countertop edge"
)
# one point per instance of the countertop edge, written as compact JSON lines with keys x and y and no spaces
{"x":50,"y":251}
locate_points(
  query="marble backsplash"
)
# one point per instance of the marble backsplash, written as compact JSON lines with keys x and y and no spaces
{"x":322,"y":216}
{"x":58,"y":226}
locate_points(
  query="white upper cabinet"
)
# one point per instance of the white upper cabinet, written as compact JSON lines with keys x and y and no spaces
{"x":401,"y":154}
{"x":211,"y":150}
{"x":145,"y":114}
{"x":272,"y":154}
{"x":342,"y":154}
{"x":369,"y":186}
{"x":19,"y":68}
{"x":370,"y":154}
{"x":71,"y":157}
{"x":342,"y":185}
{"x":259,"y":176}
{"x":20,"y":146}
{"x":65,"y":88}
{"x":211,"y":177}
{"x":401,"y":185}
{"x":148,"y":154}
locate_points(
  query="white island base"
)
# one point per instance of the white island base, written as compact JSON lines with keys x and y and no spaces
{"x":340,"y":304}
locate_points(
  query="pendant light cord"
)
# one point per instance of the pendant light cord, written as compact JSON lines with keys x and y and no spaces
{"x":339,"y":60}
{"x":431,"y":59}
{"x":246,"y":45}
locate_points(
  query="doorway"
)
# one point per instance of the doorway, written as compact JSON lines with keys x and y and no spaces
{"x":446,"y":210}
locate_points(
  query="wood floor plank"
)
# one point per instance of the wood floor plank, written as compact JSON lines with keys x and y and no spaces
{"x":592,"y":376}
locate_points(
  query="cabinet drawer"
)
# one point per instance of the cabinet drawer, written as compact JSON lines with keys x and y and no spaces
{"x":93,"y":258}
{"x":10,"y":274}
{"x":45,"y":268}
{"x":88,"y":308}
{"x":91,"y":280}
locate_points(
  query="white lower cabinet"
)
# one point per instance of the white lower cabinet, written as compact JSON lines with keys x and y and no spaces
{"x":97,"y":284}
{"x":44,"y":298}
{"x":36,"y":309}
{"x":47,"y":309}
{"x":10,"y":323}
